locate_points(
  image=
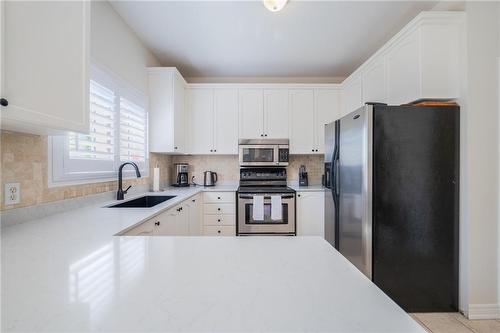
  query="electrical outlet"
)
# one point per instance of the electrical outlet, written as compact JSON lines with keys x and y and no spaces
{"x":12,"y":193}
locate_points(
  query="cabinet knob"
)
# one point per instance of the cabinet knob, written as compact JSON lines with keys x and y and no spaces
{"x":211,"y":150}
{"x":157,"y":223}
{"x":218,"y":231}
{"x":215,"y":150}
{"x":265,"y":134}
{"x":218,"y":198}
{"x":194,"y":200}
{"x":4,"y":102}
{"x":312,"y":150}
{"x":218,"y":209}
{"x":218,"y":220}
{"x":175,"y":147}
{"x":298,"y":195}
{"x":262,"y":135}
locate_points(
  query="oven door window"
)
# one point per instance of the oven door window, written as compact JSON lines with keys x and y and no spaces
{"x":258,"y":154}
{"x":267,"y":215}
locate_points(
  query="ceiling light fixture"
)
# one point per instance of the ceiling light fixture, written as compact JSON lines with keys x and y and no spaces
{"x":274,"y":5}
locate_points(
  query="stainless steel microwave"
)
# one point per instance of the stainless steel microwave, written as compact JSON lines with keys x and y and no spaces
{"x":263,"y":152}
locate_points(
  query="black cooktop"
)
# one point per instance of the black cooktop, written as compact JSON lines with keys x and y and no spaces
{"x":265,"y":189}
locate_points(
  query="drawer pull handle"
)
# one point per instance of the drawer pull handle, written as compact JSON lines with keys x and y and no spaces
{"x":157,"y":223}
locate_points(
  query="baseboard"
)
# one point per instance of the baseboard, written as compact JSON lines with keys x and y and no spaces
{"x":484,"y":311}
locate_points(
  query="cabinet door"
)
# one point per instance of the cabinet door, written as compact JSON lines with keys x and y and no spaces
{"x":302,"y":121}
{"x":327,"y":109}
{"x":200,"y":105}
{"x":276,"y":114}
{"x":403,"y":71}
{"x":146,"y":228}
{"x":310,"y":214}
{"x":226,"y":121}
{"x":179,"y":115}
{"x":374,"y":82}
{"x":351,"y":95}
{"x":182,"y":221}
{"x":167,"y":222}
{"x":45,"y":70}
{"x":251,"y":113}
{"x":195,"y":215}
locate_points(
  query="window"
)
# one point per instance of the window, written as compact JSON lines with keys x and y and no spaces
{"x":118,"y":133}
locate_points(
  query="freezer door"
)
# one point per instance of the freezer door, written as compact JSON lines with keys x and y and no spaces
{"x":355,"y":188}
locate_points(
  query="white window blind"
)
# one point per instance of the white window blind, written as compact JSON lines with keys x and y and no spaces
{"x":133,"y":130}
{"x":118,"y":132}
{"x":100,"y":142}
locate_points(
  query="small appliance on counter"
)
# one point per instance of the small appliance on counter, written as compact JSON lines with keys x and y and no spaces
{"x":303,"y":180}
{"x":181,"y":174}
{"x":209,"y":178}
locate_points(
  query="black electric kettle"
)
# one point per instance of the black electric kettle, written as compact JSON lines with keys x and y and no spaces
{"x":209,"y":178}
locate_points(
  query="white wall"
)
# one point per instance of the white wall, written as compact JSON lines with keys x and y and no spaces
{"x":116,"y":47}
{"x":480,"y":168}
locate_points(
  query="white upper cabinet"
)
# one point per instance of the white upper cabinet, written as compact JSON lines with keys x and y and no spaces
{"x":421,"y":61}
{"x":226,"y":121}
{"x":213,"y":121}
{"x":403,"y":71}
{"x":45,"y":68}
{"x":166,"y":111}
{"x":302,"y":121}
{"x":374,"y":88}
{"x":351,"y":94}
{"x":326,"y":110}
{"x":200,"y":106}
{"x":440,"y":62}
{"x":251,"y":113}
{"x":276,"y":113}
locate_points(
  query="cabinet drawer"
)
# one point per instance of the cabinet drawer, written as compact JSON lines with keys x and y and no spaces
{"x":219,"y":219}
{"x":213,"y":197}
{"x":222,"y":208}
{"x":219,"y":230}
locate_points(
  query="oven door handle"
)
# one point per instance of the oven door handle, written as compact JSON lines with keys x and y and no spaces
{"x":265,"y":197}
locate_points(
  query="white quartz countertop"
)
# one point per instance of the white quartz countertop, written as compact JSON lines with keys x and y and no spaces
{"x":67,"y":272}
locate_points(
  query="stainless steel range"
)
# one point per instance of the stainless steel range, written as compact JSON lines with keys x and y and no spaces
{"x":266,"y":206}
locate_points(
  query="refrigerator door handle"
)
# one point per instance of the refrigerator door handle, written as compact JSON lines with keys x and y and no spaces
{"x":337,"y":178}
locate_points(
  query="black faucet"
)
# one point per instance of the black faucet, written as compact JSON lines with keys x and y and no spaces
{"x":120,"y":193}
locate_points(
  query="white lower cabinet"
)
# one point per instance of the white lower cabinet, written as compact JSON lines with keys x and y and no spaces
{"x":147,"y":228}
{"x":192,"y":217}
{"x":195,"y":216}
{"x":219,"y":214}
{"x":311,"y":213}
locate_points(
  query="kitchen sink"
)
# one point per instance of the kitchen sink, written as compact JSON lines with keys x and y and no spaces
{"x":146,"y":201}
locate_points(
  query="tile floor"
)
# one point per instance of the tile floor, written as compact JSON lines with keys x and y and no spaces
{"x":455,"y":323}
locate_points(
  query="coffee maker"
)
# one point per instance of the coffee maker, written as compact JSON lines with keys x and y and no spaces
{"x":303,"y":179}
{"x":181,"y":174}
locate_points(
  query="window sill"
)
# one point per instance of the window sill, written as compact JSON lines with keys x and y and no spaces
{"x":52,"y":184}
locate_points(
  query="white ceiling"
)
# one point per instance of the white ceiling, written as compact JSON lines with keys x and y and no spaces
{"x":243,"y":39}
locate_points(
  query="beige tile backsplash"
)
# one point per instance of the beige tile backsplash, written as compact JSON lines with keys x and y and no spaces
{"x":24,"y":161}
{"x":227,"y":166}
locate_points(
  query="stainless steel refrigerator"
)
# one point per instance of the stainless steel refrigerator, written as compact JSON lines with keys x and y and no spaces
{"x":392,"y":200}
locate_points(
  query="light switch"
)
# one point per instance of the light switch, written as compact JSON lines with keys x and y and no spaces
{"x":12,"y":193}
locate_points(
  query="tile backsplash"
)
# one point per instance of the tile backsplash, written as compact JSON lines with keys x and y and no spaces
{"x":24,"y":161}
{"x":227,"y":167}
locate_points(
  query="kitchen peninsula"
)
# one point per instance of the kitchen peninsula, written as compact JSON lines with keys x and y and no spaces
{"x":69,"y":272}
